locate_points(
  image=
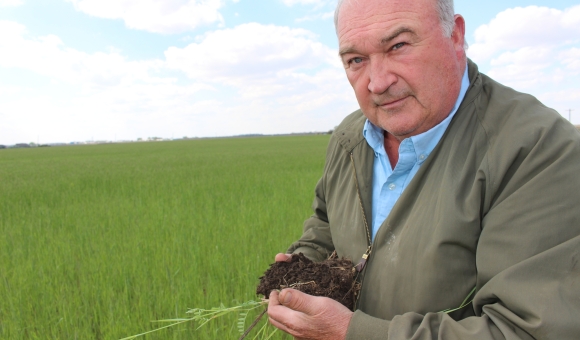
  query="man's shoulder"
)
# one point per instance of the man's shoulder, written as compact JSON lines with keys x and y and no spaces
{"x":506,"y":99}
{"x":503,"y":110}
{"x":500,"y":108}
{"x":353,"y":121}
{"x":349,"y":132}
{"x":511,"y":124}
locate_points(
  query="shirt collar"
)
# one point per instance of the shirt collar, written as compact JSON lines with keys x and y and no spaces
{"x":423,"y":143}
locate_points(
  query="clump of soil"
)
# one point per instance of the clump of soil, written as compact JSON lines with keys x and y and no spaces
{"x":333,"y":278}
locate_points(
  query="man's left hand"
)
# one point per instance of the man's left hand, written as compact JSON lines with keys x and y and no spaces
{"x":308,"y":317}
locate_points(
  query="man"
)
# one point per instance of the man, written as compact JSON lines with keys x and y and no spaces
{"x":446,"y":183}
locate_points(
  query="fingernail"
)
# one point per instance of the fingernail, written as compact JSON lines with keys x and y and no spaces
{"x":287,"y":298}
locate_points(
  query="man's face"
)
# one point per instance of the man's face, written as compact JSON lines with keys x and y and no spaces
{"x":405,"y":73}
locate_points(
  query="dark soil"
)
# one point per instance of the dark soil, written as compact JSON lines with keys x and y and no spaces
{"x":333,"y":278}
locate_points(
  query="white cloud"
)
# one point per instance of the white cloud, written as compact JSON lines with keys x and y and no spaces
{"x":48,"y":56}
{"x":11,"y":3}
{"x":571,"y":59}
{"x":97,"y":94}
{"x":258,"y":59}
{"x":159,"y":16}
{"x":567,"y":95}
{"x":536,"y":50}
{"x":571,"y":17}
{"x":249,"y":79}
{"x":563,"y":100}
{"x":533,"y":49}
{"x":285,"y":79}
{"x":303,"y":2}
{"x":519,"y":27}
{"x":524,"y":67}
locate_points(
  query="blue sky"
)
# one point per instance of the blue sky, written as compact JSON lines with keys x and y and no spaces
{"x":82,"y":70}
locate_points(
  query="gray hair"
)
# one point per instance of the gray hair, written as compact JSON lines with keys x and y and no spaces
{"x":444,"y":7}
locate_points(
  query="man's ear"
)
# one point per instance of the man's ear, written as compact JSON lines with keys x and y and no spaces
{"x":458,"y":34}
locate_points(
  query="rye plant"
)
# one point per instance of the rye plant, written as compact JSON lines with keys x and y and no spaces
{"x":97,"y":240}
{"x":203,"y":316}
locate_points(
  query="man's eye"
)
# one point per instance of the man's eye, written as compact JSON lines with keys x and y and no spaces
{"x":356,"y":60}
{"x":399,"y":45}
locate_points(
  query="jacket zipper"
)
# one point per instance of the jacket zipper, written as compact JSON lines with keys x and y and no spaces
{"x":365,"y":257}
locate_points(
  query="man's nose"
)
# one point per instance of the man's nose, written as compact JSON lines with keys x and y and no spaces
{"x":381,"y":76}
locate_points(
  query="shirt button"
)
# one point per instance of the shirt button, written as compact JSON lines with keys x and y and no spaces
{"x":422,"y":157}
{"x":392,"y":187}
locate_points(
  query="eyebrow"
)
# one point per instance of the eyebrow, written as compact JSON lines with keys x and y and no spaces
{"x":385,"y":40}
{"x":346,"y":50}
{"x":395,"y":34}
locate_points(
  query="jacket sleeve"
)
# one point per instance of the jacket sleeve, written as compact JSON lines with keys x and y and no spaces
{"x":333,"y":196}
{"x":536,"y":299}
{"x":527,"y":258}
{"x":316,"y":241}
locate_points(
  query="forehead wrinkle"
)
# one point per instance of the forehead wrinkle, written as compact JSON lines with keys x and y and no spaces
{"x":369,"y":19}
{"x":401,"y":30}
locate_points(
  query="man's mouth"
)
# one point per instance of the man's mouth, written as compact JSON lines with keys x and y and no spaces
{"x":391,"y":102}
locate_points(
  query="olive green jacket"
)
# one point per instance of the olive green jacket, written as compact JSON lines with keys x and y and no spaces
{"x":495,"y":207}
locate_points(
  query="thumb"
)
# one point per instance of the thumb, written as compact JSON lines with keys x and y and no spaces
{"x":298,"y":301}
{"x":283,"y":257}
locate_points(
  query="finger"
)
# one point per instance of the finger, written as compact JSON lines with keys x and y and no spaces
{"x":298,"y":301}
{"x":308,"y":317}
{"x":273,"y":299}
{"x":283,"y":257}
{"x":278,"y":314}
{"x":275,"y":310}
{"x":284,"y":328}
{"x":279,"y":325}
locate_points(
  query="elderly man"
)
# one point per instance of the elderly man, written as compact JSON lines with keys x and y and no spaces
{"x":446,"y":183}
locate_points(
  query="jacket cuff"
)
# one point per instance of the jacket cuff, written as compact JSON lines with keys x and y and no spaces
{"x":364,"y":326}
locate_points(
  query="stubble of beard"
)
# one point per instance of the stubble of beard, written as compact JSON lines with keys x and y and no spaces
{"x":390,"y":95}
{"x":392,"y":113}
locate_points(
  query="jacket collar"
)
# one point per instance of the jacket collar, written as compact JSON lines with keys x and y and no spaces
{"x":349,"y":133}
{"x":474,"y":84}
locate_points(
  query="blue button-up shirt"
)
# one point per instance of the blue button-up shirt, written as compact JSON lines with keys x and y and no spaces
{"x":389,"y":183}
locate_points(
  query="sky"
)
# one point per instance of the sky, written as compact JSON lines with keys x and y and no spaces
{"x":92,"y":70}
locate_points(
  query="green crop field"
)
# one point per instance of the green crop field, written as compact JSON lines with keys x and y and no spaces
{"x":97,"y":241}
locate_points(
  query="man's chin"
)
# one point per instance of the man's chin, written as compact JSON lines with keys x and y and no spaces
{"x":401,"y":134}
{"x":400,"y":129}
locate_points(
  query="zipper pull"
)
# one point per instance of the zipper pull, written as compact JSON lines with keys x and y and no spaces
{"x":363,"y":261}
